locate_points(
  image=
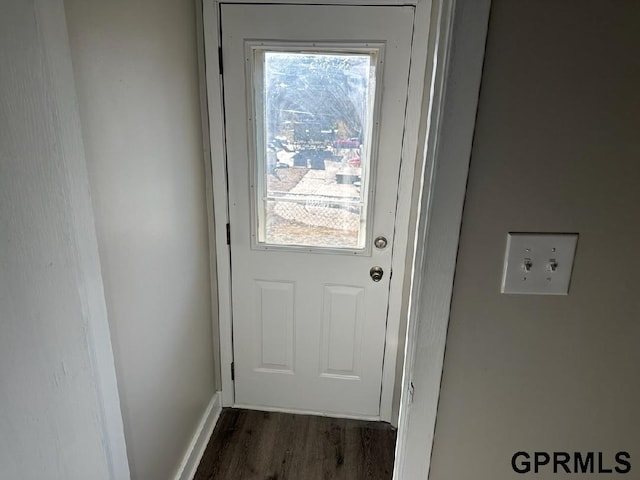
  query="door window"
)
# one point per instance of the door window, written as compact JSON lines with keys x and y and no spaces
{"x":314,"y":128}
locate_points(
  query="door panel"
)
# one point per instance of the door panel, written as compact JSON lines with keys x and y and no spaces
{"x":313,"y":162}
{"x":342,"y":322}
{"x":275,"y":314}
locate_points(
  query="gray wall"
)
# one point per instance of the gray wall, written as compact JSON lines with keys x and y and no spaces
{"x":136,"y":72}
{"x":556,"y":148}
{"x":59,"y":410}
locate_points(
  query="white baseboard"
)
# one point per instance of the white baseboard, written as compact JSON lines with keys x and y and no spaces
{"x":200,"y":439}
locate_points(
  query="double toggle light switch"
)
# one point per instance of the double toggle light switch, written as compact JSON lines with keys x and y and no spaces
{"x":538,"y":263}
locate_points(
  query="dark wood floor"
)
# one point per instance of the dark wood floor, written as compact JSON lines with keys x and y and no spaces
{"x":248,"y":444}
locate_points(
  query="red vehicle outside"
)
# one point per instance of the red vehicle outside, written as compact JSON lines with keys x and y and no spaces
{"x":347,"y":143}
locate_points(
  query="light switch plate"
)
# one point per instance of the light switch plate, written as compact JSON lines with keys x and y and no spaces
{"x":539,"y":263}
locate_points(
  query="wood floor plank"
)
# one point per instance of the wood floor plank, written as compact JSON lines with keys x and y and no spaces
{"x":254,"y":445}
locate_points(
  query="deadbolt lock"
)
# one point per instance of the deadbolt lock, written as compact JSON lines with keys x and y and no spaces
{"x":376,"y":273}
{"x":380,"y":242}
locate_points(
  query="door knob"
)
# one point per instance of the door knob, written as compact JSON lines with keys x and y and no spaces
{"x":376,"y":273}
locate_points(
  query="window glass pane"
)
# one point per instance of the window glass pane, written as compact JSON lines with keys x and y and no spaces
{"x":314,"y":128}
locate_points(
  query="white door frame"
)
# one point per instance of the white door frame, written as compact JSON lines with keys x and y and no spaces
{"x":428,"y":59}
{"x":456,"y":88}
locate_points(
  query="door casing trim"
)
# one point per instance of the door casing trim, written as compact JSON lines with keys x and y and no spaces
{"x":462,"y":33}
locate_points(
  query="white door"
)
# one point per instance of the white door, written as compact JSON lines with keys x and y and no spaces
{"x":315,"y":101}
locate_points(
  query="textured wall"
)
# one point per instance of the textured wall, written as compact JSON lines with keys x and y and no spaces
{"x":556,"y":148}
{"x":136,"y":72}
{"x":59,"y":410}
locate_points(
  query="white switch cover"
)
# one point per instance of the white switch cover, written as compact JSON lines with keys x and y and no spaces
{"x":539,"y":263}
